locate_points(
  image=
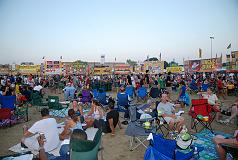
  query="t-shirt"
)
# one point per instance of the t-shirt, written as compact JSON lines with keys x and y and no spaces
{"x":166,"y":108}
{"x":49,"y":128}
{"x":168,"y":81}
{"x":183,"y":90}
{"x":219,"y":83}
{"x":161,"y":83}
{"x":37,"y":88}
{"x":210,"y":98}
{"x":112,"y":115}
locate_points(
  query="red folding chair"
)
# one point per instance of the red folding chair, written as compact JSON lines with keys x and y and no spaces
{"x":201,"y":107}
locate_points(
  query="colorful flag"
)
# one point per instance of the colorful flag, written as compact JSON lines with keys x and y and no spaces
{"x":229,"y":46}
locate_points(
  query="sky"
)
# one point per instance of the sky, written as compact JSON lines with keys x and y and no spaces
{"x":121,"y":29}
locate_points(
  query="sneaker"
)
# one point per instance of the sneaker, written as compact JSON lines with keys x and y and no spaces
{"x":226,"y":121}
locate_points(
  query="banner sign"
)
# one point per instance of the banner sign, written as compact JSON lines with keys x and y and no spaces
{"x":205,"y":65}
{"x":28,"y":69}
{"x":53,"y":67}
{"x":194,"y":65}
{"x":102,"y":70}
{"x":154,"y":67}
{"x":122,"y":69}
{"x":174,"y":69}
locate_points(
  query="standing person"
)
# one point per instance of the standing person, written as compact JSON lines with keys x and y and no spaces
{"x":48,"y":127}
{"x":161,"y":83}
{"x":169,"y":84}
{"x":220,"y":87}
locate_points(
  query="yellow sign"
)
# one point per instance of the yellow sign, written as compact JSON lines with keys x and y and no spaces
{"x":174,"y":69}
{"x":28,"y":69}
{"x":102,"y":70}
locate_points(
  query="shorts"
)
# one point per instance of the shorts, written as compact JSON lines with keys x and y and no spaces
{"x":169,"y":119}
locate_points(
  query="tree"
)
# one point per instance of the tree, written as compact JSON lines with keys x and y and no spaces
{"x":152,"y":59}
{"x":166,"y":64}
{"x":131,"y":63}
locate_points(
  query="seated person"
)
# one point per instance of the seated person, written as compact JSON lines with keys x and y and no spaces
{"x":213,"y":101}
{"x":224,"y":146}
{"x":205,"y":86}
{"x":72,"y":123}
{"x":78,"y":109}
{"x":8,"y":90}
{"x":112,"y":119}
{"x":181,"y":96}
{"x":38,"y":88}
{"x":77,"y":134}
{"x":155,"y":91}
{"x":47,"y":126}
{"x":233,"y":113}
{"x":96,"y":112}
{"x":169,"y":116}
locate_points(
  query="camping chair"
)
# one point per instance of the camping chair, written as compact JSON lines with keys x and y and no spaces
{"x":130,"y":91}
{"x":200,"y":108}
{"x":122,"y":103}
{"x":135,"y":129}
{"x":6,"y":117}
{"x":102,"y":97}
{"x":36,"y":100}
{"x":8,"y":102}
{"x":162,"y":125}
{"x":86,"y":97}
{"x":56,"y":108}
{"x":231,"y":149}
{"x":154,"y":93}
{"x":86,"y":149}
{"x":165,"y":149}
{"x":142,"y":93}
{"x":21,"y":112}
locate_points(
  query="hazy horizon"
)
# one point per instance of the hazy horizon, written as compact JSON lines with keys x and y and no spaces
{"x":84,"y":30}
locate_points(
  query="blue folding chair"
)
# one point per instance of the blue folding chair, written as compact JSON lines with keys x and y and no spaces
{"x":130,"y":91}
{"x":8,"y":102}
{"x":142,"y":93}
{"x":166,"y":149}
{"x":123,"y":104}
{"x":102,"y":98}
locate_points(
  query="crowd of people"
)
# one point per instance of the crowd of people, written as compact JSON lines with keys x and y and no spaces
{"x":85,"y":90}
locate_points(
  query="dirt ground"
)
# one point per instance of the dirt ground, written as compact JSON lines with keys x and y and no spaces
{"x":114,"y":148}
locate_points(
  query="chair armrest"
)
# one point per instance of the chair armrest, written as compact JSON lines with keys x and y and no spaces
{"x":230,"y":146}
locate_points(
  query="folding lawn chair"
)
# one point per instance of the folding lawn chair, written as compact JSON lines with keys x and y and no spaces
{"x":165,"y":149}
{"x":201,"y":113}
{"x":130,"y":91}
{"x":8,"y":102}
{"x":135,"y":129}
{"x":86,"y":97}
{"x":55,"y":106}
{"x":37,"y":100}
{"x":86,"y":149}
{"x":142,"y":93}
{"x":122,"y":104}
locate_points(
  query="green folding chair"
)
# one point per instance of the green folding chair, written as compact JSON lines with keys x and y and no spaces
{"x":55,"y":106}
{"x":86,"y":149}
{"x":37,"y":100}
{"x":22,"y":112}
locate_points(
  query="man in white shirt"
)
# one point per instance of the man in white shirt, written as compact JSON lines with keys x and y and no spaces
{"x":38,"y":87}
{"x":169,"y":116}
{"x":46,"y":126}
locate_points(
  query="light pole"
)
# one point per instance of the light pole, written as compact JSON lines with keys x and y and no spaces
{"x":211,"y":46}
{"x":211,"y":50}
